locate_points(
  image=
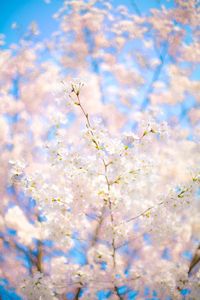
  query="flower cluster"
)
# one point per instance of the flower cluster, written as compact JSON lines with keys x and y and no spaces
{"x":108,"y":192}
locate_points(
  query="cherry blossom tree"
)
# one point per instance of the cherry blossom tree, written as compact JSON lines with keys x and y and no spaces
{"x":115,"y":197}
{"x":100,"y":196}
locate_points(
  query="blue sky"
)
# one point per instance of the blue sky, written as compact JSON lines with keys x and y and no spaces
{"x":23,"y":12}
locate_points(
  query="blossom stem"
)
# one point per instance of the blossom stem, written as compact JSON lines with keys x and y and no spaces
{"x":112,"y":225}
{"x":88,"y":124}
